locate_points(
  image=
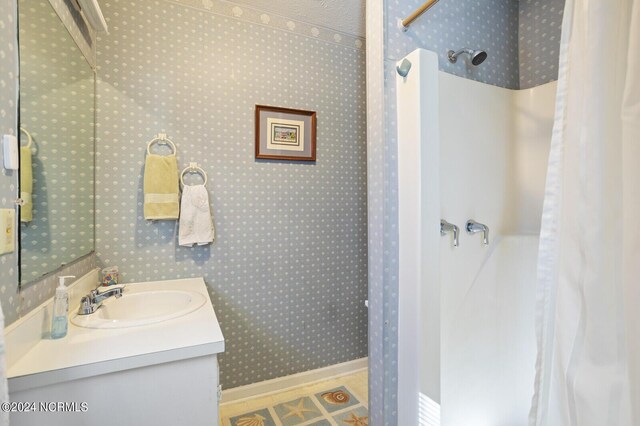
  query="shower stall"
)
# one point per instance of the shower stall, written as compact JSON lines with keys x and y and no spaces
{"x":472,"y":157}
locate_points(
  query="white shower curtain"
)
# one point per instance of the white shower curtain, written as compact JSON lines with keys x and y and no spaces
{"x":588,"y":318}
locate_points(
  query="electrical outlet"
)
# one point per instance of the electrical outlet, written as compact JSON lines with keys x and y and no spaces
{"x":7,"y":230}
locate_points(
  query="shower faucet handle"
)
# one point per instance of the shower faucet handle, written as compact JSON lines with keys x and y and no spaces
{"x":474,"y":227}
{"x":446,"y":227}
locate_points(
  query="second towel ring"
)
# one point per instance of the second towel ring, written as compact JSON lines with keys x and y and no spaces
{"x":162,"y":139}
{"x":29,"y":138}
{"x":193,"y":168}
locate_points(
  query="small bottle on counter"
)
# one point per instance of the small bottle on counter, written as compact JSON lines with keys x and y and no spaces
{"x":110,"y":276}
{"x":60,"y":321}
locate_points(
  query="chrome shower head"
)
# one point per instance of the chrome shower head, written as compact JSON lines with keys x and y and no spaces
{"x":477,"y":56}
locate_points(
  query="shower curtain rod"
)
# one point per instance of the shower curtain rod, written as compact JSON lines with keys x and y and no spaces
{"x":419,"y":11}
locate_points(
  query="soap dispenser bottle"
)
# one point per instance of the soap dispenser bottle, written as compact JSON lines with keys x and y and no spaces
{"x":59,"y":323}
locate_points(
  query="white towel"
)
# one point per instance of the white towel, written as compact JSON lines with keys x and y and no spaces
{"x":196,"y":223}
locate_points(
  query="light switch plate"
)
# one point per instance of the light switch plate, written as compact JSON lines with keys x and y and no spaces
{"x":10,"y":152}
{"x":7,"y":230}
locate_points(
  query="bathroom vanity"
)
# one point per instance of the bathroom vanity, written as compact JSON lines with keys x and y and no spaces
{"x":148,"y":364}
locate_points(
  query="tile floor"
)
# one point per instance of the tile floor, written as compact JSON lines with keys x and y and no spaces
{"x":340,"y":401}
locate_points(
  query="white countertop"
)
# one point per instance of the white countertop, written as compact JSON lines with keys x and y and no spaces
{"x":86,"y":352}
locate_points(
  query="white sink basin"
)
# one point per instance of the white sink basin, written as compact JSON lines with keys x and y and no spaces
{"x":136,"y":308}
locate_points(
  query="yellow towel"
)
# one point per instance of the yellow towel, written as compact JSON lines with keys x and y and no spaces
{"x":26,"y":185}
{"x":161,"y":187}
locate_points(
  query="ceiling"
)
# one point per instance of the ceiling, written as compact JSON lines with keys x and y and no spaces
{"x":346,"y":16}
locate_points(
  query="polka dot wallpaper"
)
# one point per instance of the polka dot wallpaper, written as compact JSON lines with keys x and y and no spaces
{"x":82,"y":33}
{"x":16,"y":304}
{"x":57,"y":108}
{"x":540,"y":26}
{"x":256,"y":16}
{"x":8,"y":125}
{"x":490,"y":25}
{"x":288,"y":271}
{"x":34,"y":294}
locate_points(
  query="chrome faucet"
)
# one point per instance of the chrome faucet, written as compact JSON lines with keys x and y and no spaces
{"x":446,"y":227}
{"x":474,"y":227}
{"x":90,"y":303}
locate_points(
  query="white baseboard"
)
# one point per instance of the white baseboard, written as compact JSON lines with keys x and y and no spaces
{"x":287,"y":382}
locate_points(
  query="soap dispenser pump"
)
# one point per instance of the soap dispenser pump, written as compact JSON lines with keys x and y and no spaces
{"x":59,"y":323}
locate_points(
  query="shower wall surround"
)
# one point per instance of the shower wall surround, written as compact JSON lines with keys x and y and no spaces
{"x":288,"y":272}
{"x":491,"y":25}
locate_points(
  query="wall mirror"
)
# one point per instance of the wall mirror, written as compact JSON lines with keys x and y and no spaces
{"x":57,"y":115}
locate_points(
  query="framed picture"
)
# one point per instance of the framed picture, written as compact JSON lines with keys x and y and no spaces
{"x":285,"y":134}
